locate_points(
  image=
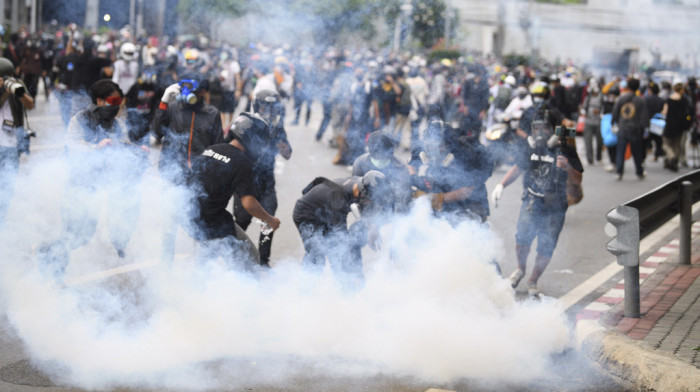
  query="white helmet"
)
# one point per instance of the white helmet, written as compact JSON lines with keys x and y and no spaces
{"x":128,"y":51}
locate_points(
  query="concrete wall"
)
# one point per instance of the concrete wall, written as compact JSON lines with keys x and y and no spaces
{"x":572,"y":31}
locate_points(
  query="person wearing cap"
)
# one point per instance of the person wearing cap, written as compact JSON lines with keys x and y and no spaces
{"x":548,"y":163}
{"x":101,"y":158}
{"x":219,"y":173}
{"x":381,"y":158}
{"x":321,"y":216}
{"x":14,"y":101}
{"x":187,"y":125}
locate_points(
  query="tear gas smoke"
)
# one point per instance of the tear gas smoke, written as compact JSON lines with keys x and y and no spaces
{"x":432,"y":307}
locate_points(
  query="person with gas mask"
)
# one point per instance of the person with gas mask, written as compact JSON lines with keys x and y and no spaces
{"x":321,"y":216}
{"x":187,"y":125}
{"x":268,"y":138}
{"x":452,"y":171}
{"x":381,"y":158}
{"x":102,"y":159}
{"x":14,"y":137}
{"x":222,"y":171}
{"x":547,"y":165}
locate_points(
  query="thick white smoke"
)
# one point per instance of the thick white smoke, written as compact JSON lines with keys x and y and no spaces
{"x":432,"y":307}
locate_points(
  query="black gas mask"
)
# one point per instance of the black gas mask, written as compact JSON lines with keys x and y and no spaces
{"x":542,"y":136}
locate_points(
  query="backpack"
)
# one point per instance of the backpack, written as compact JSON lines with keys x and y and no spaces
{"x":405,"y":103}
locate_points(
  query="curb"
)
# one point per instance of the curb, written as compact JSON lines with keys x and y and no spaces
{"x":646,"y":370}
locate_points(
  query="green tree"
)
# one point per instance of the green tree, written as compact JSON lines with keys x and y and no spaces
{"x":427,"y":20}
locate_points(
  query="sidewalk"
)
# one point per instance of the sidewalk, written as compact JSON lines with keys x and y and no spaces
{"x":656,"y":351}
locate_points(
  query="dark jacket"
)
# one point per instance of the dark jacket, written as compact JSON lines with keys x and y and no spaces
{"x":187,"y":130}
{"x":631,"y":115}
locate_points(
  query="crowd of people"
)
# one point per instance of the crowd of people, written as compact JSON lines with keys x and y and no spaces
{"x":458,"y":118}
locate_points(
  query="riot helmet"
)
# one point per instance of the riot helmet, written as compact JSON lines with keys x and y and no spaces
{"x":251,"y":132}
{"x":128,"y":51}
{"x":267,"y":105}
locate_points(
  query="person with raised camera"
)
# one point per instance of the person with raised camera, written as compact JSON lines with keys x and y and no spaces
{"x":14,"y":137}
{"x":187,"y":125}
{"x":547,"y":165}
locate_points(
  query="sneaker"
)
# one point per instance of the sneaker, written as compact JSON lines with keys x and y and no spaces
{"x":515,"y":277}
{"x":532,"y":289}
{"x":609,"y":168}
{"x":618,"y":177}
{"x":642,"y":176}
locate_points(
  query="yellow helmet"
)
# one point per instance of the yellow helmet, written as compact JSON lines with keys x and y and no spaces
{"x":539,"y":89}
{"x":191,"y":54}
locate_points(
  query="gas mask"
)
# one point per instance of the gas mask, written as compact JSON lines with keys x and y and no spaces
{"x":269,"y":113}
{"x":542,"y":136}
{"x":187,"y":89}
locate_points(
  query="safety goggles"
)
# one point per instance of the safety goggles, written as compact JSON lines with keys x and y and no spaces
{"x":189,"y":84}
{"x":114,"y":101}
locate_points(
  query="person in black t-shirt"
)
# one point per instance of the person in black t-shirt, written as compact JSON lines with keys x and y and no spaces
{"x":547,"y":164}
{"x":321,"y":218}
{"x":224,"y":170}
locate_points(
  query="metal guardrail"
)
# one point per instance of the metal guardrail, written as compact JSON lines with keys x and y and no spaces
{"x":660,"y":205}
{"x":640,"y":217}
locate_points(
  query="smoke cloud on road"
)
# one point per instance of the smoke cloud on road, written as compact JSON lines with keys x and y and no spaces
{"x":433,"y":308}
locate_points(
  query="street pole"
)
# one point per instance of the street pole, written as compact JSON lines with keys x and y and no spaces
{"x":448,"y":21}
{"x":14,"y":16}
{"x":32,"y":17}
{"x":686,"y":215}
{"x":92,"y":14}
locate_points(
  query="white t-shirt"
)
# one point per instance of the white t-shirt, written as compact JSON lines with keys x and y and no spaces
{"x":228,"y":74}
{"x":125,"y":74}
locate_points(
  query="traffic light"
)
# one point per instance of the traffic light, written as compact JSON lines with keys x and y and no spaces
{"x":625,"y":245}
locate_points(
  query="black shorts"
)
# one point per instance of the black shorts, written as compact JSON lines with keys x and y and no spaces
{"x":228,"y":103}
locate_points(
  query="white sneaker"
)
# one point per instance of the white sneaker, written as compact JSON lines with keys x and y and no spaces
{"x":515,"y":277}
{"x":532,"y":289}
{"x":609,"y":168}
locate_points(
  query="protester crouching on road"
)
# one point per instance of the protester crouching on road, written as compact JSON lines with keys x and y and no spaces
{"x":14,"y":136}
{"x":631,"y":117}
{"x":187,"y":126}
{"x":101,"y":158}
{"x":381,"y":158}
{"x":222,"y":171}
{"x":266,"y":138}
{"x":321,"y":218}
{"x":547,"y":164}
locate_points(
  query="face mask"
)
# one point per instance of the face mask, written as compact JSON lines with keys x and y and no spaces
{"x":107,"y":114}
{"x":522,"y":96}
{"x":537,"y":99}
{"x":380,"y":163}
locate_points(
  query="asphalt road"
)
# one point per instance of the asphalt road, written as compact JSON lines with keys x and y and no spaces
{"x":580,"y":253}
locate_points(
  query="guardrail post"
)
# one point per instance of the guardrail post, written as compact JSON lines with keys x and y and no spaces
{"x":625,"y":246}
{"x":686,"y":213}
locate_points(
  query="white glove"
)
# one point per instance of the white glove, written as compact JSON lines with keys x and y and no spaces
{"x":496,"y":194}
{"x":171,"y":93}
{"x":14,"y":87}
